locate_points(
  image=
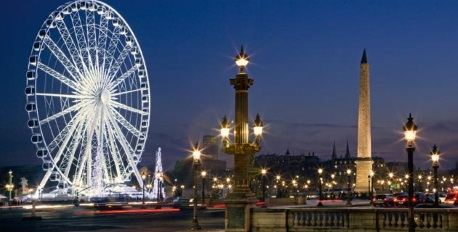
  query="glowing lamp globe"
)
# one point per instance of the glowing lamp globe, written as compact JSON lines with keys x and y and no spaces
{"x":410,"y":130}
{"x":203,"y":174}
{"x":224,"y":132}
{"x":196,"y":154}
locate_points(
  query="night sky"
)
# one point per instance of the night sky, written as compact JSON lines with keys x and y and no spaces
{"x":305,"y":62}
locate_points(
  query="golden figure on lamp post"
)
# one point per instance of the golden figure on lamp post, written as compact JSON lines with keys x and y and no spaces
{"x":241,"y":199}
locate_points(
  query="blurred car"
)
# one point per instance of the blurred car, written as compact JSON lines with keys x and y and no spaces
{"x":382,"y":200}
{"x":180,"y":202}
{"x":451,"y":199}
{"x":442,"y":197}
{"x":402,"y":199}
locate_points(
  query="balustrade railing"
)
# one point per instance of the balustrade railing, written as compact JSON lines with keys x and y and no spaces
{"x":354,"y":219}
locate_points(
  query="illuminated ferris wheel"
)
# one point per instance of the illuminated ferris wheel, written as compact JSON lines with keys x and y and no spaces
{"x":88,"y":98}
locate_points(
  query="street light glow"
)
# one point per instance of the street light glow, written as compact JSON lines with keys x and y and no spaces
{"x":258,"y":126}
{"x":224,"y":128}
{"x":203,"y":173}
{"x":410,"y":130}
{"x":435,"y":155}
{"x":196,"y":154}
{"x":242,"y":59}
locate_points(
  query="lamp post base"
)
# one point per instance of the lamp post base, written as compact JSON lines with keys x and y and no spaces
{"x":238,"y":207}
{"x":195,"y":225}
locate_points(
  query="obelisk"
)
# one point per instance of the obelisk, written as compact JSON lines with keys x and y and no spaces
{"x":364,"y":160}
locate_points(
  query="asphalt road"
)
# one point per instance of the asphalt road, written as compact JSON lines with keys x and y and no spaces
{"x":79,"y":219}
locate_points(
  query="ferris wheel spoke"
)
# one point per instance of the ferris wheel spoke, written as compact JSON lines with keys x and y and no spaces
{"x":119,"y":61}
{"x":119,"y":166}
{"x":73,"y":147}
{"x":58,"y":76}
{"x":60,"y":55}
{"x":63,"y":133}
{"x":63,"y":95}
{"x":68,"y":40}
{"x":62,"y":113}
{"x":129,"y":152}
{"x":91,"y":37}
{"x":116,"y":104}
{"x":86,"y":149}
{"x":81,"y":40}
{"x":101,"y":43}
{"x":126,"y":92}
{"x":55,"y":160}
{"x":124,"y":76}
{"x":109,"y":56}
{"x":126,"y":124}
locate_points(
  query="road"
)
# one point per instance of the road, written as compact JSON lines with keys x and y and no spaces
{"x":69,"y":218}
{"x":80,"y":219}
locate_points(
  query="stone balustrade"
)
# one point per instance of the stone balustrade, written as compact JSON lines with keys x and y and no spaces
{"x":352,"y":219}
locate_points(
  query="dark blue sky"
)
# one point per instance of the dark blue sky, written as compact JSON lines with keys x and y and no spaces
{"x":305,"y":62}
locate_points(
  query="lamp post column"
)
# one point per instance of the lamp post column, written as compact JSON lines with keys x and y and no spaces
{"x":241,"y":200}
{"x":263,"y":184}
{"x":320,"y":187}
{"x":410,"y":151}
{"x":435,"y":162}
{"x":10,"y":187}
{"x":195,"y":165}
{"x":349,"y":192}
{"x":203,"y":175}
{"x":436,"y":186}
{"x":410,"y":130}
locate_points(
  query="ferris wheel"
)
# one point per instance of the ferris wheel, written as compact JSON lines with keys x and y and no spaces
{"x":87,"y":97}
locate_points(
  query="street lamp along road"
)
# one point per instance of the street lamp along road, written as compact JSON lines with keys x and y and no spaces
{"x":196,"y":154}
{"x":435,"y":155}
{"x":349,"y":194}
{"x":410,"y":131}
{"x":263,"y":184}
{"x":320,"y":187}
{"x":203,"y":174}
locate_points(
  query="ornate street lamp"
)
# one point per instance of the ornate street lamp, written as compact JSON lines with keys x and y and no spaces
{"x":240,"y":200}
{"x":435,"y":155}
{"x":263,"y":183}
{"x":196,"y":154}
{"x":410,"y":131}
{"x":203,"y":174}
{"x":349,"y":194}
{"x":320,"y":187}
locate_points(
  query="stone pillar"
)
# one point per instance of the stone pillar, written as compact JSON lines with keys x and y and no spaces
{"x":241,"y":200}
{"x":364,"y":155}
